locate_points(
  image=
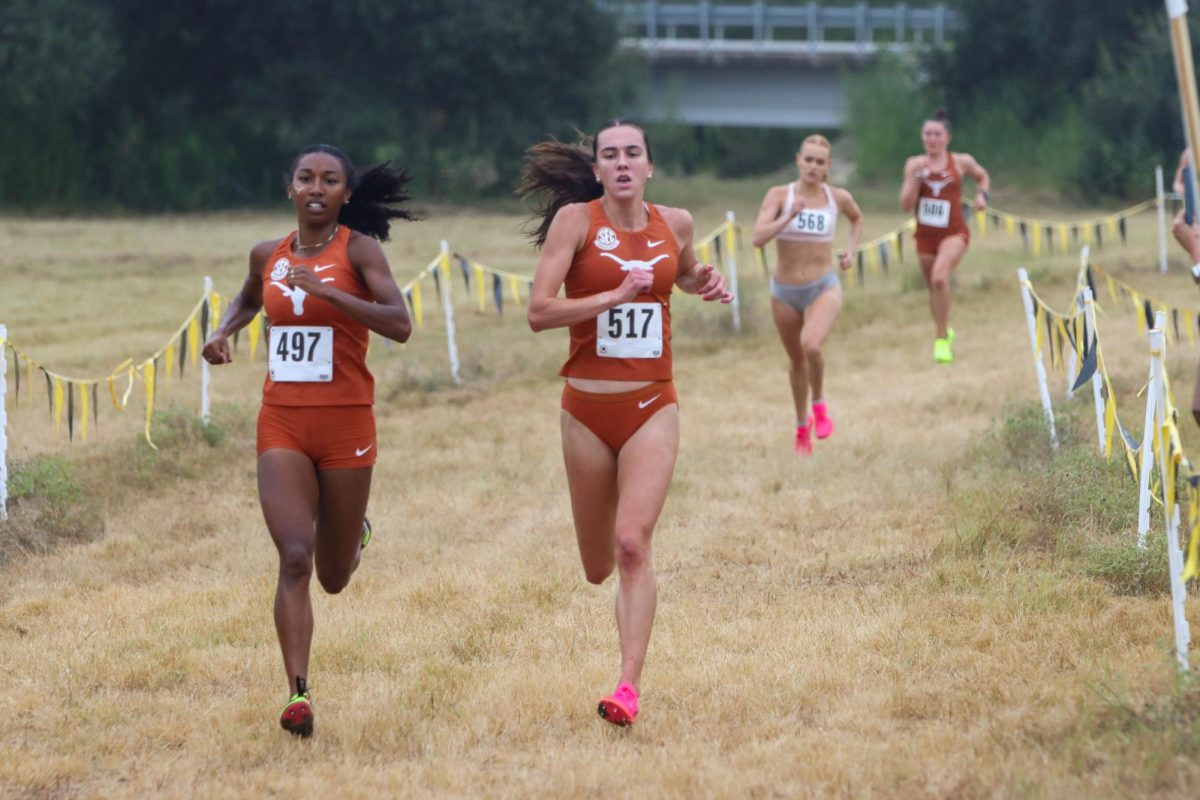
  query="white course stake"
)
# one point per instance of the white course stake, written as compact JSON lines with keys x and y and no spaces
{"x":1031,"y":320}
{"x":448,"y":308}
{"x":1170,"y":512}
{"x":732,"y":282}
{"x":1089,"y":314}
{"x":205,"y":401}
{"x":1148,"y":434}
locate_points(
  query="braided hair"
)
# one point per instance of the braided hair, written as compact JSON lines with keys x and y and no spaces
{"x":373,"y":193}
{"x":556,"y":174}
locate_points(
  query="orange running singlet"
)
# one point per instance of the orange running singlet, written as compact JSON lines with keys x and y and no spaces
{"x":939,"y":208}
{"x":317,"y":354}
{"x":632,"y":341}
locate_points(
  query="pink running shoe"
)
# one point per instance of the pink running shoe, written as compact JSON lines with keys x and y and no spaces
{"x":620,"y":707}
{"x":804,"y":445}
{"x":824,"y":425}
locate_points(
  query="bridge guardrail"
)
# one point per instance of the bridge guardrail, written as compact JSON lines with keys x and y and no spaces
{"x":651,"y":24}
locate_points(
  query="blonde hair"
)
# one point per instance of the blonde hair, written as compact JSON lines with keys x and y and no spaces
{"x":816,"y":138}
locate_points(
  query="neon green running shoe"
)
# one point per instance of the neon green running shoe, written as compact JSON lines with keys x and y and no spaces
{"x":297,"y":716}
{"x":942,"y":353}
{"x":366,"y":534}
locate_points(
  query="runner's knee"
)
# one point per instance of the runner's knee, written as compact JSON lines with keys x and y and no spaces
{"x":333,"y":582}
{"x":295,"y":562}
{"x":633,"y":548}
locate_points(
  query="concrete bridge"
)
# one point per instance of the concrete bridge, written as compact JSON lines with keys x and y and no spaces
{"x":764,"y":64}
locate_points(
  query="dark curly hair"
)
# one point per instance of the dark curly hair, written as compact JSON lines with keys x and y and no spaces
{"x":373,"y":193}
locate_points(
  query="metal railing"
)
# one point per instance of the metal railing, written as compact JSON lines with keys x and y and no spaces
{"x":763,"y":27}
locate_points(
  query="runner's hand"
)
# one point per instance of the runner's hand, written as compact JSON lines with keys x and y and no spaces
{"x":637,"y":281}
{"x":710,"y":284}
{"x":216,"y":349}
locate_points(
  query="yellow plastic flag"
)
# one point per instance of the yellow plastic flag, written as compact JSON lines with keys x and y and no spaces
{"x":1010,"y":224}
{"x":475,"y":268}
{"x":58,"y":403}
{"x":254,"y":329}
{"x":1035,"y":239}
{"x":214,"y":315}
{"x":1087,"y":235}
{"x":1039,"y":319}
{"x":1110,"y":422}
{"x":981,"y":221}
{"x":169,"y":355}
{"x":416,"y":304}
{"x":148,"y":376}
{"x":444,"y":259}
{"x":514,"y":284}
{"x":193,"y":339}
{"x":1111,"y":224}
{"x":705,"y":253}
{"x":1192,"y":568}
{"x":1063,"y":241}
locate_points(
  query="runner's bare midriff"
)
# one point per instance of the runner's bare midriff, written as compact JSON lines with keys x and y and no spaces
{"x":803,"y":262}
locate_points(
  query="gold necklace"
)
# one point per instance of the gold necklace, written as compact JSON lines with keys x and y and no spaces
{"x":315,"y":246}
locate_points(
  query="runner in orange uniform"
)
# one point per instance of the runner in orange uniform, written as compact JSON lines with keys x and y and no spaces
{"x":618,"y":257}
{"x":323,"y":288}
{"x":933,"y":189}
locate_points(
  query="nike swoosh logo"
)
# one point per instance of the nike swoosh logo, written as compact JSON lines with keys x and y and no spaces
{"x":655,"y":244}
{"x":358,"y":452}
{"x":322,"y":269}
{"x":644,"y":403}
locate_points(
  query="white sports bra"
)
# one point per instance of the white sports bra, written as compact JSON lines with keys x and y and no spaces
{"x":811,"y":224}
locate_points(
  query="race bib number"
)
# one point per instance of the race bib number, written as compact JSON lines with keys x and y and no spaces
{"x":301,"y":354}
{"x":933,"y":212}
{"x":813,"y":221}
{"x":630,"y":330}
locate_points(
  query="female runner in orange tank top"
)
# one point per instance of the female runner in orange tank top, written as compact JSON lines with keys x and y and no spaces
{"x":323,"y":288}
{"x":806,"y":294}
{"x":618,"y":257}
{"x":933,"y":188}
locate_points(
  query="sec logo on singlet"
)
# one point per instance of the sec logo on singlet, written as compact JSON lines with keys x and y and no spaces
{"x":279,"y":271}
{"x":606,"y":239}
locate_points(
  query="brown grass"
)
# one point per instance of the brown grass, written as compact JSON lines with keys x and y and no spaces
{"x":915,"y":611}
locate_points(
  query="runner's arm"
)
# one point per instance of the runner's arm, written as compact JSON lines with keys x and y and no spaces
{"x":692,"y":276}
{"x":772,"y":216}
{"x":244,"y":307}
{"x":566,"y":236}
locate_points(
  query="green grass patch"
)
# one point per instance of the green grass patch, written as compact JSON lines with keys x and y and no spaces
{"x":1017,"y":494}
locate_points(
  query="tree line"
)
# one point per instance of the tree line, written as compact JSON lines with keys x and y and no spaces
{"x":191,"y":104}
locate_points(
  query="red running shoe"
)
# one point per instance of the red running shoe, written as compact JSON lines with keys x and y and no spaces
{"x":804,"y":445}
{"x":620,"y":707}
{"x":297,"y":716}
{"x":824,"y":425}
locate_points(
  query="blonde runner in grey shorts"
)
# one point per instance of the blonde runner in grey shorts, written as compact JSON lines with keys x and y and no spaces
{"x":801,"y":295}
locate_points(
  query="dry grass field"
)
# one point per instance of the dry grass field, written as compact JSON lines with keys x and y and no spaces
{"x":933,"y":605}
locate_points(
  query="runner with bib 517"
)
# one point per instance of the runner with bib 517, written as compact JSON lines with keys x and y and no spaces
{"x":619,"y":258}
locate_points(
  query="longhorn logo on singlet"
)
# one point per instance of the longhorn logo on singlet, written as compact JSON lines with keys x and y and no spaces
{"x":634,"y":263}
{"x":936,"y":186}
{"x":606,"y":239}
